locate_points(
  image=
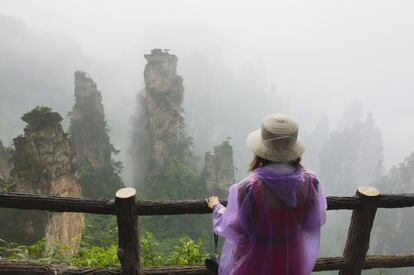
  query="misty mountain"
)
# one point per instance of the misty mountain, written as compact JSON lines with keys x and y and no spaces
{"x":393,"y":228}
{"x":36,"y":68}
{"x":315,"y":142}
{"x":220,"y":103}
{"x":352,"y":157}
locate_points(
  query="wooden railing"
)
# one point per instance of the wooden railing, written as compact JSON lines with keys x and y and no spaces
{"x":364,"y":205}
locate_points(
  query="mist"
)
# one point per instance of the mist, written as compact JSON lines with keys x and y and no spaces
{"x":338,"y":67}
{"x":320,"y":54}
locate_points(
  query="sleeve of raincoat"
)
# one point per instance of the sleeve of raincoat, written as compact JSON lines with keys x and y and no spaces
{"x":323,"y":204}
{"x":226,"y":219}
{"x":316,"y":216}
{"x":313,"y":222}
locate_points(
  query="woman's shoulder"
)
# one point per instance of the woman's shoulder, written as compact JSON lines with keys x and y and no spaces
{"x":312,"y":178}
{"x":247,"y":181}
{"x":242,"y":187}
{"x":309,"y":172}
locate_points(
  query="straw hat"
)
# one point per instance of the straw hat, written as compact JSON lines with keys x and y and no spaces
{"x":277,"y":140}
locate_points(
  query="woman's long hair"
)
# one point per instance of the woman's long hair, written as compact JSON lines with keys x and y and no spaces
{"x":260,"y":162}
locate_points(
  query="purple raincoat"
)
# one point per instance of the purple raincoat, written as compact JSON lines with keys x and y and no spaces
{"x":272,"y":222}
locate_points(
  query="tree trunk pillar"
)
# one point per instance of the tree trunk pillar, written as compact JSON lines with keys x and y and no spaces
{"x":357,"y":243}
{"x":128,"y":245}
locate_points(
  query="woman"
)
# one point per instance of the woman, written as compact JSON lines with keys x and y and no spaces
{"x":272,"y":222}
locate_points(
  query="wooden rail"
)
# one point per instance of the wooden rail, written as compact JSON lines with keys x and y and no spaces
{"x":364,"y":206}
{"x":57,"y":204}
{"x":322,"y":264}
{"x":151,"y":208}
{"x":359,"y":233}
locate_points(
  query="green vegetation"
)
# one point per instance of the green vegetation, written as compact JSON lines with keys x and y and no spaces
{"x":41,"y":117}
{"x":26,"y":162}
{"x":103,"y":182}
{"x":101,"y":230}
{"x":179,"y":181}
{"x":184,"y":251}
{"x":165,"y":240}
{"x":7,"y":186}
{"x":99,"y":172}
{"x":98,"y":248}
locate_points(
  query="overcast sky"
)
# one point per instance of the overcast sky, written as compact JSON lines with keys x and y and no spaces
{"x":325,"y":53}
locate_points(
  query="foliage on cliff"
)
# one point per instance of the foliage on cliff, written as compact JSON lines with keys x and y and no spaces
{"x":41,"y":117}
{"x":159,"y":136}
{"x":165,"y":164}
{"x":108,"y":180}
{"x":99,"y":173}
{"x":180,"y":180}
{"x":218,"y":171}
{"x":43,"y":162}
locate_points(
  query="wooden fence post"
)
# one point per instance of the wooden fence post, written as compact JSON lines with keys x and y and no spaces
{"x":359,"y":232}
{"x":128,"y":246}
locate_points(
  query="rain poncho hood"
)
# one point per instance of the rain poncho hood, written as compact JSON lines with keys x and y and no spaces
{"x":272,"y":222}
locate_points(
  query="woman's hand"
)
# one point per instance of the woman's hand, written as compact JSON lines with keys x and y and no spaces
{"x":212,"y":201}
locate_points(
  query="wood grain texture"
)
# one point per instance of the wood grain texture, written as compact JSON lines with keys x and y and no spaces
{"x":322,"y":264}
{"x":128,"y":246}
{"x":359,"y":232}
{"x":57,"y":204}
{"x":148,"y":208}
{"x":364,"y":205}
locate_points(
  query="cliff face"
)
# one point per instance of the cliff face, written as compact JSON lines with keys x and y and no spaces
{"x":162,"y":101}
{"x":5,"y":165}
{"x":43,"y":154}
{"x":218,"y":171}
{"x":45,"y":163}
{"x":65,"y":228}
{"x":90,"y":135}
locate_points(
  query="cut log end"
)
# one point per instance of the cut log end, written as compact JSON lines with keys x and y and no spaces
{"x":125,"y":193}
{"x":368,"y":191}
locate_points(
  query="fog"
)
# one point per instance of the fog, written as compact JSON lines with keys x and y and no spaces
{"x":315,"y":57}
{"x":338,"y":67}
{"x":323,"y":54}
